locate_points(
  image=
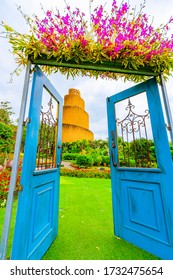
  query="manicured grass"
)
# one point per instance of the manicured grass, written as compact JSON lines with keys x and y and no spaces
{"x":2,"y":214}
{"x":85,"y":224}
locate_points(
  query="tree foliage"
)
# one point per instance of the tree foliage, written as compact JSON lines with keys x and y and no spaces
{"x":7,"y":135}
{"x":7,"y":131}
{"x":6,"y":113}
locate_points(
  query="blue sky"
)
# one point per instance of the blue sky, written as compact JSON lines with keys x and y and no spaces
{"x":94,"y":92}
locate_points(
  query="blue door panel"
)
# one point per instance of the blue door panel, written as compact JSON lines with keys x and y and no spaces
{"x":37,"y":214}
{"x":42,"y":216}
{"x":149,"y":244}
{"x":143,"y":210}
{"x":142,"y":197}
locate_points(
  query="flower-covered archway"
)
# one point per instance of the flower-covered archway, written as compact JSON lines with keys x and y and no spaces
{"x":122,"y":38}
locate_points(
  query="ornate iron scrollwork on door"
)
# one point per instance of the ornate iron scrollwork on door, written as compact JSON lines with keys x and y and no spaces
{"x":134,"y":145}
{"x":46,"y":149}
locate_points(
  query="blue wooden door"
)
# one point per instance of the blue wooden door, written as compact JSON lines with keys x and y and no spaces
{"x":141,"y":170}
{"x":37,"y":215}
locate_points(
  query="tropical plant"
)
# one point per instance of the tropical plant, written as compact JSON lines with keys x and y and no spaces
{"x":122,"y":36}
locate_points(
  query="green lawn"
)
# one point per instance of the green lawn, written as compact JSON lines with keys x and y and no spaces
{"x":2,"y":214}
{"x":85,"y":224}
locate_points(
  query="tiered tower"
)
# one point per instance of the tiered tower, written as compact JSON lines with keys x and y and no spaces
{"x":75,"y":122}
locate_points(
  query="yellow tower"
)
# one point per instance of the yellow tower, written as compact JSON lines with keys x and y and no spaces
{"x":75,"y":121}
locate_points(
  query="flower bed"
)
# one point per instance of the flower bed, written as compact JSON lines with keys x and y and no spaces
{"x":4,"y":185}
{"x":120,"y":36}
{"x":85,"y":173}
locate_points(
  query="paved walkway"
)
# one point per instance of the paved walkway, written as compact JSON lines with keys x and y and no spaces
{"x":67,"y":165}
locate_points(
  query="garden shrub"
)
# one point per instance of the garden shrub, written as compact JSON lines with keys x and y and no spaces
{"x":69,"y":156}
{"x":84,"y":160}
{"x":106,"y":160}
{"x":97,"y":159}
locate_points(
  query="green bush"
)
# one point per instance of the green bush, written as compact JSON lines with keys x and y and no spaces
{"x":106,"y":160}
{"x":97,"y":160}
{"x":69,"y":156}
{"x":84,"y":160}
{"x":7,"y":137}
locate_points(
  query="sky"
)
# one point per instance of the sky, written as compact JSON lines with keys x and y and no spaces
{"x":94,"y":92}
